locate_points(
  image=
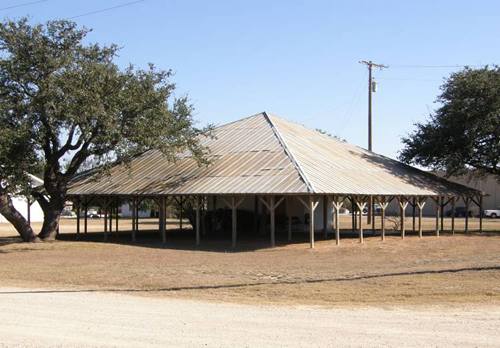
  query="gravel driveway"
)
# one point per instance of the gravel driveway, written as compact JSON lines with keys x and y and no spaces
{"x":31,"y":317}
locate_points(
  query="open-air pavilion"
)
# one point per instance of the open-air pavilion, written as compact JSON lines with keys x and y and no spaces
{"x":264,"y":163}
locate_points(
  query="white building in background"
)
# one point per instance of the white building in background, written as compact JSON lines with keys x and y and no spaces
{"x":34,"y":213}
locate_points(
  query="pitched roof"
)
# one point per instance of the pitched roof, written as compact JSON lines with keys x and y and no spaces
{"x":265,"y":154}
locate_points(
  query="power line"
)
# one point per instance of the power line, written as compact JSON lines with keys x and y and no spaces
{"x":407,"y":79}
{"x":433,"y":66}
{"x":21,"y":5}
{"x":347,"y":115}
{"x":107,"y":9}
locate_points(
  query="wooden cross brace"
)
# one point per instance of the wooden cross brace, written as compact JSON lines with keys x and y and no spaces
{"x":337,"y":205}
{"x":233,"y":203}
{"x":272,"y":205}
{"x":421,"y":203}
{"x":314,"y":204}
{"x":403,"y":203}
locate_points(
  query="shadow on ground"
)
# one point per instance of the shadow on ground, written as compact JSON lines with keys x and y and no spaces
{"x":280,"y":282}
{"x":185,"y":239}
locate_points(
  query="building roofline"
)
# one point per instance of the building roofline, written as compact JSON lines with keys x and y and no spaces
{"x":289,"y":153}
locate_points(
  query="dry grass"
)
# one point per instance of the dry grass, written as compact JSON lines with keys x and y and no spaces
{"x":458,"y":269}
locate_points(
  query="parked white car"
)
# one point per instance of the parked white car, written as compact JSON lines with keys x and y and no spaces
{"x":68,"y":214}
{"x":93,"y":214}
{"x":492,"y":213}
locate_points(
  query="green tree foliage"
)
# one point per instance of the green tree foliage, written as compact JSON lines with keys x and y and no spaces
{"x":72,"y":104}
{"x":17,"y":159}
{"x":463,"y":135}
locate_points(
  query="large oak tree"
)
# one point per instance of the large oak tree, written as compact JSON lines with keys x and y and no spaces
{"x":64,"y":102}
{"x":463,"y":135}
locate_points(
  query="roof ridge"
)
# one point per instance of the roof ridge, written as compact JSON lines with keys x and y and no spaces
{"x":238,"y":120}
{"x":289,"y":153}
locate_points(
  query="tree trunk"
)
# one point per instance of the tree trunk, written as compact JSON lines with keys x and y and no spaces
{"x":52,"y":205}
{"x":21,"y":225}
{"x":52,"y":213}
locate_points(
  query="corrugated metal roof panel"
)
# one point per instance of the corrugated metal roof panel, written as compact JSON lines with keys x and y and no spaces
{"x":265,"y":154}
{"x":333,"y":166}
{"x":247,"y":159}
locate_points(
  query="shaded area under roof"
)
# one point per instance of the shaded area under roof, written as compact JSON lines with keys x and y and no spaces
{"x":265,"y":154}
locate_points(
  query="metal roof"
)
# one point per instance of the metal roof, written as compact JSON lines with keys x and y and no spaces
{"x":265,"y":154}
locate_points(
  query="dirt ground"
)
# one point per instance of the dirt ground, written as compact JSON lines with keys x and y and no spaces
{"x":449,"y":270}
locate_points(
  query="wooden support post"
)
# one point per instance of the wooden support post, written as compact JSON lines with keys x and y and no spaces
{"x":333,"y":214}
{"x":197,"y":206}
{"x":337,"y":205}
{"x":467,"y":206}
{"x":403,"y":203}
{"x":214,"y":210}
{"x":383,"y":207}
{"x":110,"y":216}
{"x":163,"y":222}
{"x":325,"y":218}
{"x":438,"y":209}
{"x":374,"y":216}
{"x":256,"y":214}
{"x":159,"y":204}
{"x":413,"y":214}
{"x":481,"y":213}
{"x":453,"y":212}
{"x":289,"y":218}
{"x":105,"y":224}
{"x":421,"y":204}
{"x":77,"y":219}
{"x":271,"y":206}
{"x":355,"y":210}
{"x":181,"y":213}
{"x":233,"y":204}
{"x":204,"y":204}
{"x":117,"y":221}
{"x":353,"y":214}
{"x":134,"y":218}
{"x":361,"y":206}
{"x":86,"y":212}
{"x":311,"y":206}
{"x":137,"y":212}
{"x":131,"y":204}
{"x":442,"y":204}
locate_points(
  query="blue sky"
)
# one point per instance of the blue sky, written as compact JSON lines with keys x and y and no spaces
{"x":297,"y":59}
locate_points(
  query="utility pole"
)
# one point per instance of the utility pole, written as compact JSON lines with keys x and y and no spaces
{"x":371,"y":88}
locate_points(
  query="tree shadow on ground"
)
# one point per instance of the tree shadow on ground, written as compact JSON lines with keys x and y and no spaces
{"x":280,"y":282}
{"x":185,"y":239}
{"x":10,"y":240}
{"x":217,"y":242}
